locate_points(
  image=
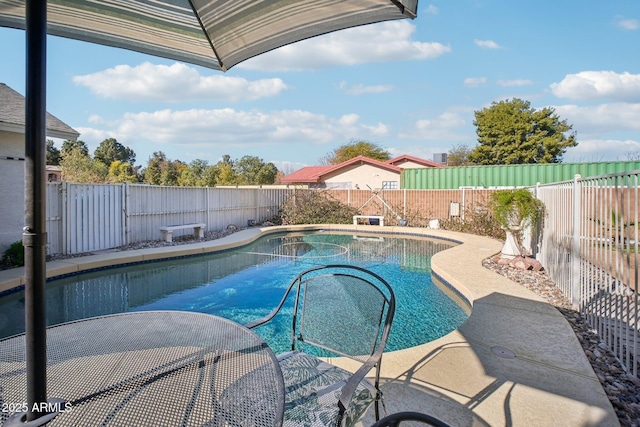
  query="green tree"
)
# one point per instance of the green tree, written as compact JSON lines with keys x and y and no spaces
{"x":459,"y":155}
{"x":253,"y":170}
{"x":355,"y":149}
{"x":210,"y":177}
{"x":190,"y":177}
{"x":77,"y":166}
{"x":110,"y":150}
{"x":511,"y":132}
{"x":152,"y":174}
{"x":170,"y":173}
{"x":53,"y":154}
{"x":120,"y":172}
{"x":198,"y":174}
{"x":70,"y":145}
{"x":226,"y":174}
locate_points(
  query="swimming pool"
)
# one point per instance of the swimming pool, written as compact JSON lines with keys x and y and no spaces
{"x":246,"y":283}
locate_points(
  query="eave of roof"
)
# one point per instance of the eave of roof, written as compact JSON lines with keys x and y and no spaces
{"x":362,"y":160}
{"x":12,"y":116}
{"x":408,"y":158}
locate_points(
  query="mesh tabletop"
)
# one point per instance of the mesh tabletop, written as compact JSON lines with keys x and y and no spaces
{"x":152,"y":369}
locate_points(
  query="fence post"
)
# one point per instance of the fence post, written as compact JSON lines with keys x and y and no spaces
{"x":126,"y":232}
{"x":64,"y":213}
{"x":576,"y":296}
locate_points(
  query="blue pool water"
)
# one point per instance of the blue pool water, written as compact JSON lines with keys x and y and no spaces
{"x":246,"y":283}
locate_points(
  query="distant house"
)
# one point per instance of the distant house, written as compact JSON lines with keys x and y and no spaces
{"x":54,"y":173}
{"x":406,"y":161}
{"x":358,"y":173}
{"x":12,"y":130}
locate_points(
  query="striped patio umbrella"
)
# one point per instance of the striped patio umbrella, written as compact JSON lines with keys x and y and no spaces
{"x":213,"y":33}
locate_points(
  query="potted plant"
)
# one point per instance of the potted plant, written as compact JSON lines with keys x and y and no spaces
{"x":515,"y":210}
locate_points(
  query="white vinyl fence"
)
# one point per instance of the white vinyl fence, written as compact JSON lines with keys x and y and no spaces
{"x":91,"y":217}
{"x":590,"y":249}
{"x":589,"y":243}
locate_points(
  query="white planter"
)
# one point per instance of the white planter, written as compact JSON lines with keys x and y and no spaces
{"x":511,"y":248}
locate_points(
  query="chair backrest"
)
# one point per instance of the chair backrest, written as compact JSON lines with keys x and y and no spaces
{"x":344,"y":309}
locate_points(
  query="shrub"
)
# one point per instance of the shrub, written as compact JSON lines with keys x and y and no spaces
{"x":478,"y":221}
{"x":14,"y":256}
{"x":315,"y":207}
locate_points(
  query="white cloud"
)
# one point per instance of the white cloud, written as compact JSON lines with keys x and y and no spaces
{"x":448,"y":126}
{"x":382,"y":42}
{"x":178,"y":82}
{"x":431,"y":9}
{"x":487,"y":44}
{"x":598,"y":150}
{"x":96,"y":120}
{"x":197,"y":129}
{"x":592,"y":121}
{"x":360,"y":89}
{"x":592,"y":85}
{"x":512,"y":83}
{"x":627,"y":24}
{"x":475,"y":81}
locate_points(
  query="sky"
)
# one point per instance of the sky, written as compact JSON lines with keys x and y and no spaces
{"x":410,"y":86}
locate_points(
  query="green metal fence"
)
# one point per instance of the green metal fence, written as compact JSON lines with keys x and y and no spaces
{"x":506,"y":175}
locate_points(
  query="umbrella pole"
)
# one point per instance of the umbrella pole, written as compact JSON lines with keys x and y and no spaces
{"x":34,"y":237}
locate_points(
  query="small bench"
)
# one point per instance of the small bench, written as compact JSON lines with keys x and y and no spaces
{"x":377,"y":220}
{"x":167,"y":231}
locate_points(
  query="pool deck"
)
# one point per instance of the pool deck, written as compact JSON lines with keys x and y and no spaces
{"x":515,"y":362}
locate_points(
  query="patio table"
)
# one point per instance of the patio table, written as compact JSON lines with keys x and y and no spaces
{"x":162,"y":368}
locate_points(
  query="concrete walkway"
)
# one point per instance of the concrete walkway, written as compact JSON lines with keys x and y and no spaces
{"x":514,"y":362}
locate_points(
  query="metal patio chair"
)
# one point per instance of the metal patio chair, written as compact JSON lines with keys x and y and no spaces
{"x":394,"y":420}
{"x":347,"y":311}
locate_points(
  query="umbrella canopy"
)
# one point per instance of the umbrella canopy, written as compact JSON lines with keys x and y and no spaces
{"x":213,"y":33}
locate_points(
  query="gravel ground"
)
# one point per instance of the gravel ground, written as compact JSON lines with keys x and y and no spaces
{"x":622,"y":389}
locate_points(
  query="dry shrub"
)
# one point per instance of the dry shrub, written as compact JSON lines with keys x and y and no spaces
{"x":315,"y":207}
{"x":477,"y":221}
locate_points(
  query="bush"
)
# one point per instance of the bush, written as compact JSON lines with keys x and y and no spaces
{"x":315,"y":207}
{"x":478,"y":221}
{"x":14,"y":256}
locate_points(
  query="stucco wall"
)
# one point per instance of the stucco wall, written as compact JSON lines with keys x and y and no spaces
{"x":11,"y":189}
{"x":410,"y":165}
{"x":363,"y":175}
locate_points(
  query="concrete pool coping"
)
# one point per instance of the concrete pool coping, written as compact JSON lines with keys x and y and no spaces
{"x":515,"y":362}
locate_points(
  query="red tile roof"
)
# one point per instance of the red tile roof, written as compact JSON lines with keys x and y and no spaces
{"x":306,"y":174}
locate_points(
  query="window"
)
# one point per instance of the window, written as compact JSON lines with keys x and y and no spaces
{"x":389,"y":185}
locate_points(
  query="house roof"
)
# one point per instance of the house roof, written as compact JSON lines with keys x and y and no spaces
{"x":407,"y":158}
{"x":306,"y":174}
{"x":12,"y":116}
{"x":311,"y":174}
